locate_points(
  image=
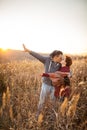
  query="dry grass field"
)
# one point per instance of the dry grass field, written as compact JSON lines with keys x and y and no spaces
{"x":20,"y":84}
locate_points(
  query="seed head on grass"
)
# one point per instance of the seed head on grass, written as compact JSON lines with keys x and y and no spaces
{"x":63,"y":107}
{"x":72,"y":108}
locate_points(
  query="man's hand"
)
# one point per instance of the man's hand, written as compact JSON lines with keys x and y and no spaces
{"x":25,"y":49}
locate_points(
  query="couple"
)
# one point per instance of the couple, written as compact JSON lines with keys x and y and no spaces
{"x":53,"y":66}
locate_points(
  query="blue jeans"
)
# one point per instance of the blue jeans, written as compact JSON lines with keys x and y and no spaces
{"x":46,"y":90}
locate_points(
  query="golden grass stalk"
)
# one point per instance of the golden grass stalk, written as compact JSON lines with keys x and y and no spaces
{"x":1,"y":111}
{"x":64,"y":106}
{"x":11,"y":112}
{"x":40,"y":118}
{"x":4,"y":100}
{"x":8,"y":95}
{"x":72,"y":109}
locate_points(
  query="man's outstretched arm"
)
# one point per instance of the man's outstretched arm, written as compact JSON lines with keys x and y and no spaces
{"x":34,"y":54}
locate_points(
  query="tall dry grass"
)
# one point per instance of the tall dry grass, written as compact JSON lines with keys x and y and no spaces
{"x":21,"y":96}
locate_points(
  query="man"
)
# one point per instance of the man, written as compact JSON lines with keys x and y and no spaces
{"x":51,"y":64}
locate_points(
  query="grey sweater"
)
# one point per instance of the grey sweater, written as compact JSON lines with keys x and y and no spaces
{"x":50,"y":66}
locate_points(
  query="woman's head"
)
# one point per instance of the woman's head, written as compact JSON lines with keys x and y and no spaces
{"x":67,"y":61}
{"x":56,"y":56}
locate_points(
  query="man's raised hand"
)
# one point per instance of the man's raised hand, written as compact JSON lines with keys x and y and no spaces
{"x":25,"y":49}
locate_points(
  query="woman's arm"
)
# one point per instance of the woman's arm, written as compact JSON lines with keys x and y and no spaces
{"x":62,"y":73}
{"x":56,"y":74}
{"x":50,"y":75}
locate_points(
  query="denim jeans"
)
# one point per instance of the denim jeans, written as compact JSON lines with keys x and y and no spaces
{"x":46,"y":91}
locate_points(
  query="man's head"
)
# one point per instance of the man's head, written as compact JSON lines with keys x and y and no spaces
{"x":56,"y":56}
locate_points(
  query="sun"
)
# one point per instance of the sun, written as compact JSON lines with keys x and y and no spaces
{"x":4,"y":49}
{"x":4,"y":46}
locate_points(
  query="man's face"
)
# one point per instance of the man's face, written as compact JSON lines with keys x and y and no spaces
{"x":58,"y":58}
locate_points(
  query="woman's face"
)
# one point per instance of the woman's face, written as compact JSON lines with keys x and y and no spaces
{"x":63,"y":62}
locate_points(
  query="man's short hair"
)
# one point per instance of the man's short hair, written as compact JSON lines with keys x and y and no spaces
{"x":56,"y":53}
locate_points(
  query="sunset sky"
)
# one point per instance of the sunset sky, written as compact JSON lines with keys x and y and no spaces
{"x":44,"y":25}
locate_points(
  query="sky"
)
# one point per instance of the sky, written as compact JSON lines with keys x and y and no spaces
{"x":44,"y":25}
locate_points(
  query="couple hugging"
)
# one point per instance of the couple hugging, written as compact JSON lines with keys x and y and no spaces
{"x":56,"y":76}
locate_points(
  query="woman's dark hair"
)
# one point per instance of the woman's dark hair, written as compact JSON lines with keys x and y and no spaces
{"x":66,"y":81}
{"x":68,"y":61}
{"x":56,"y":53}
